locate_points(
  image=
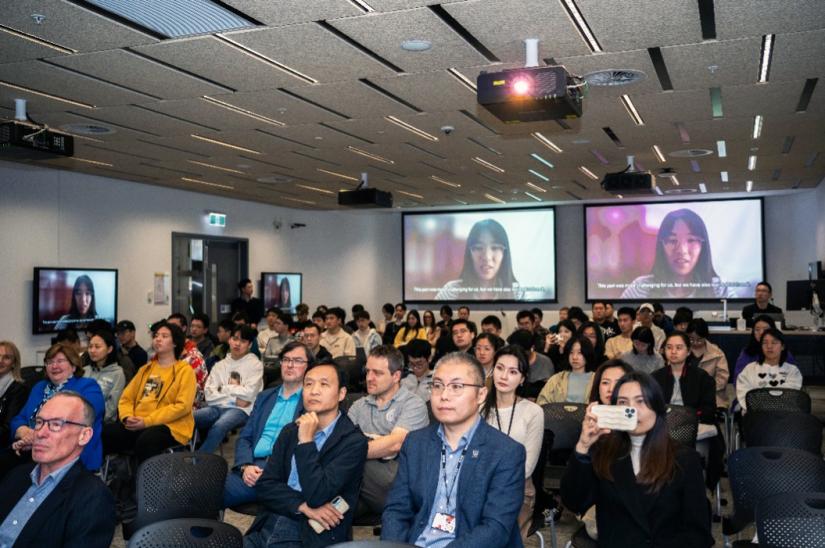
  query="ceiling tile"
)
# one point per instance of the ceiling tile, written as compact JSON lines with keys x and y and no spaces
{"x":713,"y":64}
{"x":288,"y":12}
{"x":735,"y":18}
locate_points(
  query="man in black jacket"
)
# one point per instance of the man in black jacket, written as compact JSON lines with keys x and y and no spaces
{"x":316,"y":459}
{"x":55,"y":501}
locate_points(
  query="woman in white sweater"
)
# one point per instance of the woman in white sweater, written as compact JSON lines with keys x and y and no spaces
{"x":771,"y":370}
{"x":230,"y":390}
{"x":517,"y":417}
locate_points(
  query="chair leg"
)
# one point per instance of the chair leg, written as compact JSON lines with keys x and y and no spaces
{"x":541,"y":538}
{"x":549,"y":520}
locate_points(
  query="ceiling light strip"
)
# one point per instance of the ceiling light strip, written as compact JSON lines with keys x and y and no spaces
{"x":212,"y":166}
{"x":410,"y":194}
{"x":315,"y":188}
{"x":260,"y":57}
{"x":488,"y":165}
{"x":674,"y":180}
{"x":539,"y":175}
{"x":724,"y":176}
{"x":658,"y":191}
{"x":765,"y":60}
{"x":721,"y":149}
{"x":588,"y":173}
{"x":494,"y":199}
{"x":542,"y":160}
{"x":536,"y":187}
{"x":242,"y":111}
{"x":751,"y":162}
{"x":444,"y":181}
{"x":757,"y":126}
{"x":546,"y":142}
{"x":207,"y":183}
{"x":46,"y":95}
{"x":223,"y":144}
{"x":93,"y":162}
{"x":658,"y":152}
{"x":411,"y":128}
{"x":702,"y":188}
{"x":582,"y":26}
{"x":466,"y":82}
{"x":36,"y":40}
{"x":363,"y":6}
{"x":748,"y":186}
{"x":336,"y":174}
{"x":370,"y":155}
{"x":631,"y":110}
{"x":536,"y":198}
{"x":297,"y":200}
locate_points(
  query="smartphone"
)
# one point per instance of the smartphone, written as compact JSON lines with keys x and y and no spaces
{"x":616,"y":417}
{"x":339,"y":504}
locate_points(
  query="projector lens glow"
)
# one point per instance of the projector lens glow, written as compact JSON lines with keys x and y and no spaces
{"x":521,"y":86}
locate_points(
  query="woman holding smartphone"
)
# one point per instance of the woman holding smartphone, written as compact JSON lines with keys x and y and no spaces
{"x":648,"y":490}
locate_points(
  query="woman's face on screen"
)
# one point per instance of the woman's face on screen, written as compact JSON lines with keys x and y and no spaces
{"x":284,"y":294}
{"x":83,"y":298}
{"x":487,"y":256}
{"x":682,"y":249}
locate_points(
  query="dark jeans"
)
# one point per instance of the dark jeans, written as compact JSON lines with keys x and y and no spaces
{"x":145,"y":443}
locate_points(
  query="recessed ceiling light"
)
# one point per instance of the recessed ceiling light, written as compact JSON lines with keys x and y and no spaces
{"x":370,"y":155}
{"x":466,"y":82}
{"x":724,"y":176}
{"x":411,"y":128}
{"x":536,"y":198}
{"x":242,"y":111}
{"x":47,"y":95}
{"x":721,"y":149}
{"x":410,"y":194}
{"x":658,"y":152}
{"x":223,"y":144}
{"x":631,"y":110}
{"x":315,"y":188}
{"x":336,"y":174}
{"x":213,"y":166}
{"x":582,"y":26}
{"x":488,"y":165}
{"x":702,"y":188}
{"x":206,"y":183}
{"x":542,"y":160}
{"x":748,"y":186}
{"x":588,"y":173}
{"x":416,"y":45}
{"x":536,"y":187}
{"x":757,"y":126}
{"x":444,"y":181}
{"x":93,"y":162}
{"x":765,"y":60}
{"x":751,"y":162}
{"x":494,"y":199}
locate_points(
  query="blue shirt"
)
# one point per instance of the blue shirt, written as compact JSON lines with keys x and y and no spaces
{"x":437,"y":538}
{"x":282,"y":414}
{"x":320,"y":439}
{"x":28,"y":504}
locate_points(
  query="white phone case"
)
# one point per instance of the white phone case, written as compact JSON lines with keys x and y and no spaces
{"x":616,"y":417}
{"x":340,"y":504}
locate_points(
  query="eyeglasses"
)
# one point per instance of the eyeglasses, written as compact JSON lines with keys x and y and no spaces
{"x":691,"y":243}
{"x":293,"y":361}
{"x":696,"y":340}
{"x":55,"y":425}
{"x":453,"y":388}
{"x":494,"y":248}
{"x":58,"y":361}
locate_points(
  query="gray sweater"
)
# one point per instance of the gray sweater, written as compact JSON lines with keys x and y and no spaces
{"x":112,"y":381}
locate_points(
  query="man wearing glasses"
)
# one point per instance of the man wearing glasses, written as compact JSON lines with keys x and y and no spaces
{"x":55,"y":501}
{"x":476,"y":497}
{"x":274,"y":408}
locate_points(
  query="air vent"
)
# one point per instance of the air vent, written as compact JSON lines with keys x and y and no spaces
{"x":87,"y":129}
{"x":690,"y":153}
{"x":614,"y":77}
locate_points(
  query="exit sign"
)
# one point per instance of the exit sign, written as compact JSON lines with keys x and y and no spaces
{"x":217,"y":219}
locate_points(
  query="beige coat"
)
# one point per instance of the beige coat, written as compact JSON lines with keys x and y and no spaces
{"x":555,"y":390}
{"x":714,"y":362}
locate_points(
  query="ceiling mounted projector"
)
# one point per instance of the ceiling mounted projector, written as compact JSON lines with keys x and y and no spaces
{"x":531,"y":94}
{"x":24,"y":141}
{"x":629,"y":182}
{"x":364,"y":196}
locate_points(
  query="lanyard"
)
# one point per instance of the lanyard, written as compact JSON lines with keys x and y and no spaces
{"x":449,"y":488}
{"x":513,"y":414}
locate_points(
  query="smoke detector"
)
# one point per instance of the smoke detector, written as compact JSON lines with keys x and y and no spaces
{"x":614,"y":77}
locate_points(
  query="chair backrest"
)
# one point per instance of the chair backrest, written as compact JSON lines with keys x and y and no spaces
{"x":179,"y":485}
{"x":683,"y":424}
{"x":778,"y":399}
{"x":349,"y":399}
{"x":791,"y":520}
{"x":565,"y":421}
{"x":32,"y":375}
{"x":782,"y":429}
{"x":757,"y":473}
{"x":352,"y":367}
{"x":187,"y":533}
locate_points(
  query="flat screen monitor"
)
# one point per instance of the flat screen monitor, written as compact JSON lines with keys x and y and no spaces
{"x":72,"y":297}
{"x":281,"y":290}
{"x":674,"y":251}
{"x":799,"y":293}
{"x":480,"y":256}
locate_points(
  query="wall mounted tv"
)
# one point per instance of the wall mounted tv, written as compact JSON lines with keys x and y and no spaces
{"x":72,"y":297}
{"x":674,"y":251}
{"x":281,"y":290}
{"x":500,"y":255}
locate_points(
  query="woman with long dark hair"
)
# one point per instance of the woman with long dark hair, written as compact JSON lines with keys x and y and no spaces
{"x":594,"y":333}
{"x":101,"y":365}
{"x":517,"y":417}
{"x":573,"y":385}
{"x":410,"y":330}
{"x":683,"y":257}
{"x":643,"y":357}
{"x":647,"y":489}
{"x":770,"y":370}
{"x":485,"y":349}
{"x":710,"y":358}
{"x":554,"y":344}
{"x":83,"y":308}
{"x":487,"y":273}
{"x":285,"y":295}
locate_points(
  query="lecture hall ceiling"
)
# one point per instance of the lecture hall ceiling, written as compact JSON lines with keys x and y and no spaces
{"x":291,"y":109}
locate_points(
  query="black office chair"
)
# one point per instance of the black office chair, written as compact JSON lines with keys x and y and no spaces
{"x":791,"y":520}
{"x":778,"y":399}
{"x":351,"y":366}
{"x":32,"y":375}
{"x":757,"y":473}
{"x":683,"y":424}
{"x":272,"y":372}
{"x":782,"y":429}
{"x":187,"y":533}
{"x":178,"y":485}
{"x":349,"y":399}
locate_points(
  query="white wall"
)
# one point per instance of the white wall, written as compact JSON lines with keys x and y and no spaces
{"x":58,"y":218}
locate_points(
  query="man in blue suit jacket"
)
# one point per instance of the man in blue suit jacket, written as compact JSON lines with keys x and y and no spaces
{"x":274,"y":409}
{"x":475,"y":497}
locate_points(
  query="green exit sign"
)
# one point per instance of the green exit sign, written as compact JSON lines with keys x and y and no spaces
{"x":217,"y":219}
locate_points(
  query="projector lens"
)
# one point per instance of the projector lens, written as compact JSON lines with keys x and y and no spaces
{"x":521,"y":86}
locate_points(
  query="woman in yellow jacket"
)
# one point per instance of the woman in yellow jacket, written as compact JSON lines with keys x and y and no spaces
{"x":574,"y":385}
{"x":411,"y":330}
{"x":155,"y":409}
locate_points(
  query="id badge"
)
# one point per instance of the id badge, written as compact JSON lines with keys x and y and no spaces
{"x":444,"y":522}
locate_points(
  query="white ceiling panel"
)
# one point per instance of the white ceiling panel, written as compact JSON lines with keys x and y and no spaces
{"x":277,"y":13}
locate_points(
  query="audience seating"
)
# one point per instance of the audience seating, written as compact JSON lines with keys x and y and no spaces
{"x":178,"y":485}
{"x":349,"y":399}
{"x":782,"y":429}
{"x":778,"y":399}
{"x":683,"y":424}
{"x":187,"y":533}
{"x":791,"y":520}
{"x":353,"y":371}
{"x":32,"y":375}
{"x":757,"y":473}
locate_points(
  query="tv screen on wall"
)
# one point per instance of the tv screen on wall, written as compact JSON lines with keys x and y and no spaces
{"x":281,"y":290}
{"x":72,"y":297}
{"x":480,"y":256}
{"x":677,"y":251}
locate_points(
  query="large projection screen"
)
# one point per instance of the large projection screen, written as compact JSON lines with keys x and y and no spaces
{"x":480,"y":256}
